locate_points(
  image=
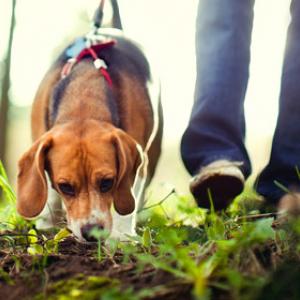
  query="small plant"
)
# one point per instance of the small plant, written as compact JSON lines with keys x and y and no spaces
{"x":100,"y":236}
{"x":9,"y":219}
{"x":40,"y":244}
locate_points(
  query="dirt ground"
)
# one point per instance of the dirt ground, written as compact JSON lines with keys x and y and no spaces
{"x":79,"y":261}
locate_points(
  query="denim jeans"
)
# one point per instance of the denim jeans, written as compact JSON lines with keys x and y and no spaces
{"x":216,"y":129}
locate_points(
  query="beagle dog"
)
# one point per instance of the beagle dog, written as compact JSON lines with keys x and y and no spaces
{"x":97,"y":130}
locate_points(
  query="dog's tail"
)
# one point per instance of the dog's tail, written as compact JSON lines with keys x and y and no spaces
{"x":116,"y":19}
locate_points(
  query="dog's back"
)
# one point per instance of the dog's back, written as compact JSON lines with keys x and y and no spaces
{"x":97,"y":127}
{"x":84,"y":93}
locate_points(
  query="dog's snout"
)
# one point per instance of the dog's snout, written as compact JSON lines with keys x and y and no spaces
{"x":87,"y":231}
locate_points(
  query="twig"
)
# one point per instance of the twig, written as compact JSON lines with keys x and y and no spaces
{"x":16,"y":234}
{"x":158,"y":203}
{"x":254,"y":217}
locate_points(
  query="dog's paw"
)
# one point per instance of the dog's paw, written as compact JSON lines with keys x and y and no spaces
{"x":123,"y":236}
{"x":44,"y":223}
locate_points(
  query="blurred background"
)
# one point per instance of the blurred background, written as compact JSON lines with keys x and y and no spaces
{"x":165,"y":29}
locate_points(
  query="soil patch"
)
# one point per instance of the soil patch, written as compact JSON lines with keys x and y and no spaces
{"x":33,"y":275}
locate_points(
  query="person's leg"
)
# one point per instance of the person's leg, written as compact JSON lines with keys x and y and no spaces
{"x":285,"y":155}
{"x":216,"y":128}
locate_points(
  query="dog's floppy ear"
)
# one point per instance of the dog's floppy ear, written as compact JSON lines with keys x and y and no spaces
{"x":31,"y":183}
{"x":128,"y":159}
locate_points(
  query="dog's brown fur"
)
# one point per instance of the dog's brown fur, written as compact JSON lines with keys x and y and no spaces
{"x":87,"y":140}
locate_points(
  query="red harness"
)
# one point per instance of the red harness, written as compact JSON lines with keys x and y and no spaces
{"x":90,"y":51}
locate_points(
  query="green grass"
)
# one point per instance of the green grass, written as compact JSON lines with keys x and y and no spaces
{"x":232,"y":255}
{"x":9,"y":219}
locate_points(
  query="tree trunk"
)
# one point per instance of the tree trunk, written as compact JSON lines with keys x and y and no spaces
{"x":4,"y":104}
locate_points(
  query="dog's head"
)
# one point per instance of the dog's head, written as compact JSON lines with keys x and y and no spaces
{"x":91,"y":166}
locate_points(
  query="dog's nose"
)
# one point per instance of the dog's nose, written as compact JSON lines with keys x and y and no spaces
{"x":87,"y":229}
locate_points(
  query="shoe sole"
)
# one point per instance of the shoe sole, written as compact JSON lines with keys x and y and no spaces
{"x":223,"y":189}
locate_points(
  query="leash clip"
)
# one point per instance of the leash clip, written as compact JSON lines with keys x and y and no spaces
{"x":94,"y":37}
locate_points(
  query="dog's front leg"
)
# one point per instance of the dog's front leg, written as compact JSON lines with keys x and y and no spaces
{"x":123,"y":226}
{"x":52,"y":215}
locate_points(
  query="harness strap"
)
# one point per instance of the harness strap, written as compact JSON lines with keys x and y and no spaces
{"x":90,"y":51}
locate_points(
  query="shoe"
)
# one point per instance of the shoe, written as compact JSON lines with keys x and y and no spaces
{"x":223,"y":179}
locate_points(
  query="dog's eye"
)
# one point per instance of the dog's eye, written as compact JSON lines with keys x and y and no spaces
{"x":67,"y":189}
{"x":106,"y":184}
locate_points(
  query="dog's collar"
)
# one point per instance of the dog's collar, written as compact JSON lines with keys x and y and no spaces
{"x":86,"y":47}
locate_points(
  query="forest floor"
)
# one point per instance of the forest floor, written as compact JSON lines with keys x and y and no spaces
{"x":180,"y":252}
